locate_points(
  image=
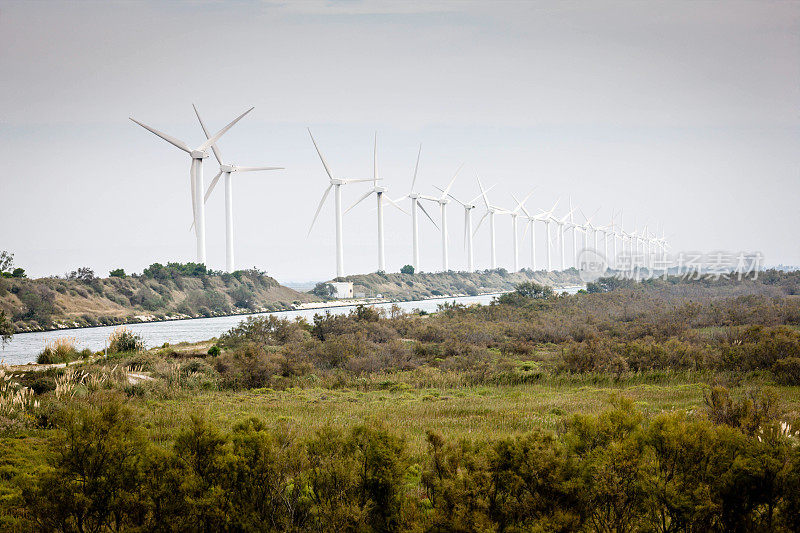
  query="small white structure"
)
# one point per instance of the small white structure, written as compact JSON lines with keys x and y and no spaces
{"x":344,"y":289}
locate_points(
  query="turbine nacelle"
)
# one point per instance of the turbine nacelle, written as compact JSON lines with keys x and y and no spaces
{"x":198,"y":154}
{"x":227,"y":168}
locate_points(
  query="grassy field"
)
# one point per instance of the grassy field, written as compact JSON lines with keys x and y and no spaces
{"x":472,"y":412}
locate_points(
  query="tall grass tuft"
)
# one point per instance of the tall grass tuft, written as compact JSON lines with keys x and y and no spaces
{"x":61,"y":350}
{"x":14,"y":398}
{"x":123,"y":340}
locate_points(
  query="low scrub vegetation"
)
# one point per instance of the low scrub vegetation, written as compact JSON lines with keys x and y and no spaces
{"x":670,"y":405}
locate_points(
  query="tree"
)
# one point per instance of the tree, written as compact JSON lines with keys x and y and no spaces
{"x":6,"y":329}
{"x":324,"y":290}
{"x":82,"y":274}
{"x":407,"y":269}
{"x":117,"y":273}
{"x":18,"y":273}
{"x":6,"y":261}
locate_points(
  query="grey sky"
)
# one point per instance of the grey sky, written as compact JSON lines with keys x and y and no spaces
{"x":680,"y":113}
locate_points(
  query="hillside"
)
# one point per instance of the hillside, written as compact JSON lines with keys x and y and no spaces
{"x":160,"y":292}
{"x":429,"y":285}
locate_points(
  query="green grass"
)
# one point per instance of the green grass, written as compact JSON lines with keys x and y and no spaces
{"x":480,"y":412}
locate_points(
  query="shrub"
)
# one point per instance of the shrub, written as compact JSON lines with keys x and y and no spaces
{"x":117,"y":273}
{"x":124,"y":340}
{"x":60,"y":350}
{"x":407,"y":269}
{"x":787,"y":371}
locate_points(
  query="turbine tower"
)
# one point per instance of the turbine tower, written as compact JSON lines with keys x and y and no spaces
{"x":196,"y":178}
{"x":561,"y":231}
{"x":443,"y":200}
{"x":226,"y":170}
{"x":547,"y":217}
{"x":336,"y":185}
{"x":468,"y":207}
{"x":379,"y":193}
{"x":415,"y":197}
{"x":514,"y":229}
{"x":491,"y":211}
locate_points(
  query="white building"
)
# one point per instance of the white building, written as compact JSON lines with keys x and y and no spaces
{"x":344,"y":289}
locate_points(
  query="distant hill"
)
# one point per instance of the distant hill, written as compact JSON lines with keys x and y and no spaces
{"x":428,"y":285}
{"x":160,"y":292}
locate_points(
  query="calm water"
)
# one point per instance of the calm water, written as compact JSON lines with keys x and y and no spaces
{"x":26,"y":346}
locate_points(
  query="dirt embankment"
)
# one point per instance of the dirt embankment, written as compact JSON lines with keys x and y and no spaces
{"x":53,"y":303}
{"x":429,"y":285}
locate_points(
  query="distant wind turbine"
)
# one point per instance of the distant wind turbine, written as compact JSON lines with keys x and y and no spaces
{"x":468,"y":207}
{"x":226,"y":170}
{"x":196,"y":178}
{"x":379,"y":193}
{"x":514,"y":226}
{"x":336,"y":185}
{"x":415,"y":205}
{"x":443,"y":200}
{"x":491,"y":211}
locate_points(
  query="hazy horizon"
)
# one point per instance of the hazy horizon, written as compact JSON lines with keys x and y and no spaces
{"x":682,"y":114}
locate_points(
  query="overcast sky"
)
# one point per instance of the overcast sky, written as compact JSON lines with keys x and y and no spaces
{"x":682,"y":114}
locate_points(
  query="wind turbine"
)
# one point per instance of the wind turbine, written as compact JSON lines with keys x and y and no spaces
{"x":379,"y":192}
{"x":514,"y":214}
{"x":547,"y":217}
{"x":196,"y":177}
{"x":415,"y":197}
{"x":561,"y":222}
{"x":443,"y":200}
{"x":226,"y":170}
{"x":468,"y":207}
{"x":491,"y":211}
{"x":336,"y":185}
{"x":574,"y":234}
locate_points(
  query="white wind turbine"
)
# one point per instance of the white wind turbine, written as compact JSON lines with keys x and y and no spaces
{"x":531,"y":223}
{"x":491,"y":211}
{"x":547,"y":218}
{"x":468,"y":207}
{"x":561,"y":230}
{"x":415,"y":197}
{"x":514,"y":226}
{"x":443,"y":200}
{"x":336,"y":185}
{"x":196,"y":178}
{"x":226,"y":170}
{"x":574,"y":228}
{"x":379,"y":193}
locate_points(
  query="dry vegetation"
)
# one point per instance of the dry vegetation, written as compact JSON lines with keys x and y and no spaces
{"x":663,"y":406}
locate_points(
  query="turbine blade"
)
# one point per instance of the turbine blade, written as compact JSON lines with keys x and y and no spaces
{"x":319,"y":208}
{"x":359,"y":201}
{"x":222,"y":132}
{"x":449,"y":185}
{"x":357,"y":180}
{"x":416,"y":167}
{"x":256,"y":169}
{"x":483,"y":193}
{"x":486,"y":214}
{"x":172,"y":140}
{"x":217,"y":153}
{"x":427,"y":215}
{"x":395,"y":204}
{"x":324,"y":164}
{"x":375,"y":160}
{"x":212,"y":185}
